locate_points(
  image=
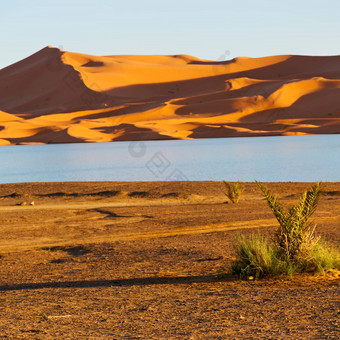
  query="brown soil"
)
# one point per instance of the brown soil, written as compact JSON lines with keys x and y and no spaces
{"x":140,"y":261}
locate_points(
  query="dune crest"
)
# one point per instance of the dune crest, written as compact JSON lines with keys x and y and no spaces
{"x":54,"y":96}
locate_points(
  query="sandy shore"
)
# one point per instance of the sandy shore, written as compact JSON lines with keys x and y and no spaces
{"x":108,"y":260}
{"x":56,"y":96}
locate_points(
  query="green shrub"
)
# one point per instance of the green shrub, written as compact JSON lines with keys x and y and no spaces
{"x":295,"y":237}
{"x":294,"y":249}
{"x":234,"y":191}
{"x":255,"y":257}
{"x":324,"y":257}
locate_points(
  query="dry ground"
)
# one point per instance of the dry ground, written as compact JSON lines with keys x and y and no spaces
{"x":140,"y":260}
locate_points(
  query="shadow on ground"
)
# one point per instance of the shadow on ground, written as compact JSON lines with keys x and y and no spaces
{"x":144,"y":281}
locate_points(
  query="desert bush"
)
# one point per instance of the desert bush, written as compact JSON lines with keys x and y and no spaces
{"x":255,"y":257}
{"x":234,"y":191}
{"x":258,"y":257}
{"x":295,"y":237}
{"x":294,"y":249}
{"x":324,"y":257}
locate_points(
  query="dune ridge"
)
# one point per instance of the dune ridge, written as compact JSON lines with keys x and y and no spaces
{"x":54,"y":96}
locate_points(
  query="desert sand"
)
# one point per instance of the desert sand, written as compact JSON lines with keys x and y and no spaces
{"x":112,"y":260}
{"x":56,"y":96}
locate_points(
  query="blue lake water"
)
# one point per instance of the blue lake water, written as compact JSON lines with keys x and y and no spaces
{"x":276,"y":159}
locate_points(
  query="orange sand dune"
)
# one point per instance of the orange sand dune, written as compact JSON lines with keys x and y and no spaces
{"x":55,"y":96}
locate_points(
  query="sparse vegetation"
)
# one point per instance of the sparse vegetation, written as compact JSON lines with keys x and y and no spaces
{"x":255,"y":257}
{"x":234,"y":191}
{"x":294,"y":249}
{"x":295,"y":237}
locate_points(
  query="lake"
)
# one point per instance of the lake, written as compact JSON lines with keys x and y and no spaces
{"x":271,"y":159}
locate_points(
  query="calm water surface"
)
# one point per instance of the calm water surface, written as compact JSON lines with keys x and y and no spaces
{"x":287,"y":158}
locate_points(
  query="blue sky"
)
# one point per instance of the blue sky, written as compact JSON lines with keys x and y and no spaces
{"x":213,"y":30}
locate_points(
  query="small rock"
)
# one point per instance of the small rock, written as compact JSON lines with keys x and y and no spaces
{"x":32,"y":203}
{"x":22,"y":203}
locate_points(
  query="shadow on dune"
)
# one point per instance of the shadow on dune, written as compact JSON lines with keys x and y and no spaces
{"x":292,"y":69}
{"x":47,"y":136}
{"x":57,"y":87}
{"x":317,"y":109}
{"x":133,"y":133}
{"x":144,"y":281}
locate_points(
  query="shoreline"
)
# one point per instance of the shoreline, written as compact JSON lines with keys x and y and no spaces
{"x":152,"y":184}
{"x":141,"y":140}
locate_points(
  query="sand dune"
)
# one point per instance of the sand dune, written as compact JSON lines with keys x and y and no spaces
{"x":55,"y":96}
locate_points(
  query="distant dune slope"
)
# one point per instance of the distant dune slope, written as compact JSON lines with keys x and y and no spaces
{"x":55,"y":96}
